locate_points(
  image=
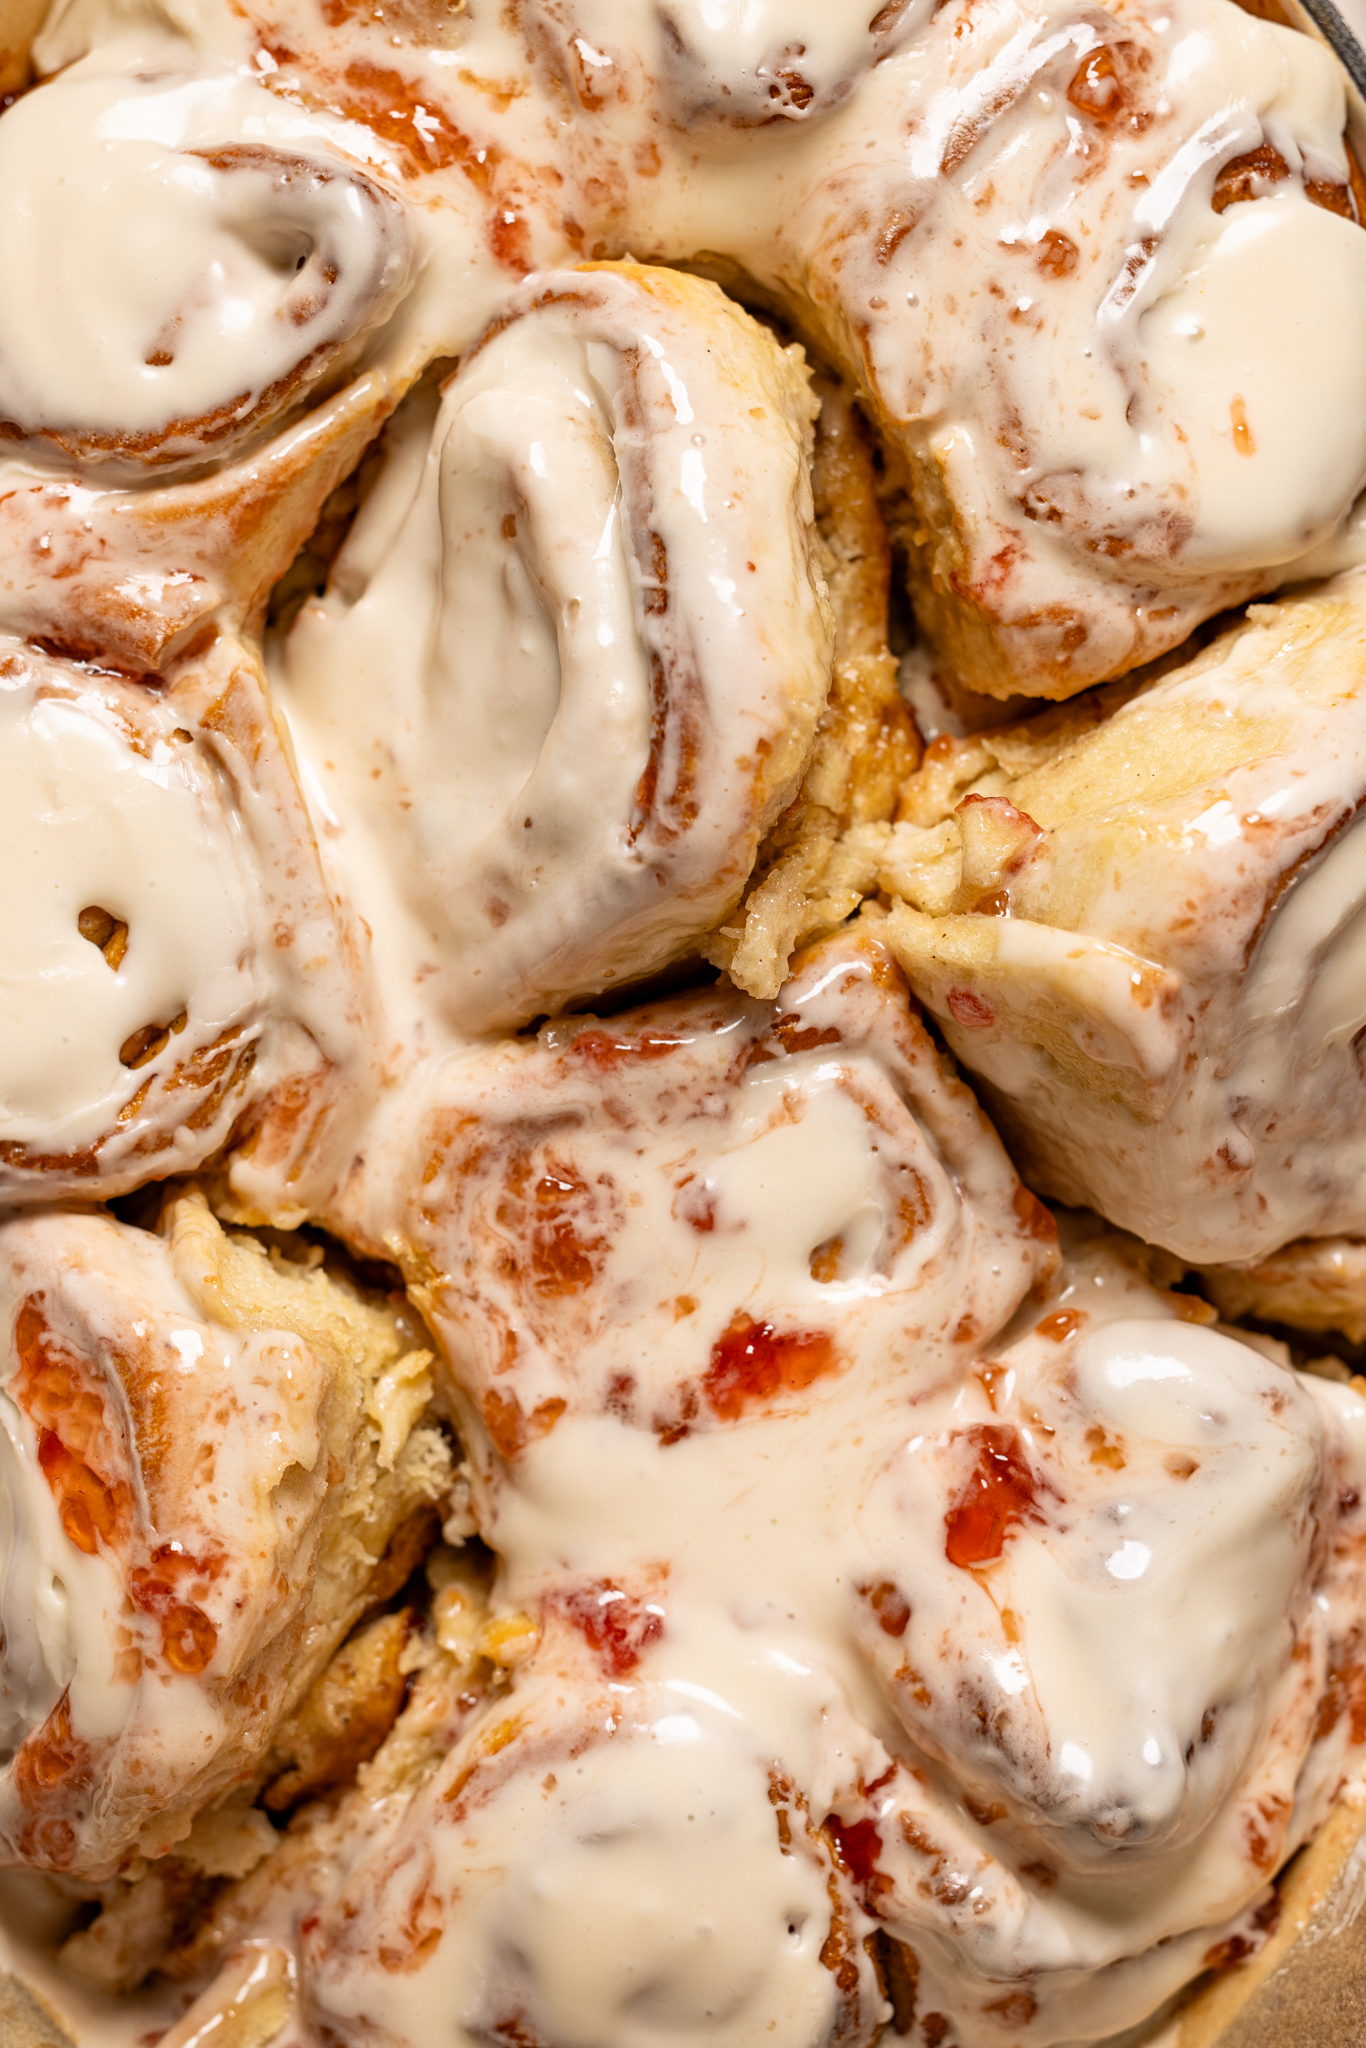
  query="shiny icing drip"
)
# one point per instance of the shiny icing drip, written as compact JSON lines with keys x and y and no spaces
{"x":575,"y":650}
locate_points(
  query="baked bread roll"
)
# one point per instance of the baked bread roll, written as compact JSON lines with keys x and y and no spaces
{"x":220,"y":992}
{"x":207,"y":1453}
{"x":576,"y":646}
{"x":626,"y":1218}
{"x":1125,"y":1633}
{"x":1139,"y":928}
{"x":184,"y":261}
{"x":995,"y":1691}
{"x":1046,"y":297}
{"x":173,"y":972}
{"x":714,"y":1903}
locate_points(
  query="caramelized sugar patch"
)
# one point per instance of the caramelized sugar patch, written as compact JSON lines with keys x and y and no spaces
{"x":144,"y":1044}
{"x":1096,"y":88}
{"x":511,"y":1428}
{"x":169,"y":1587}
{"x":617,"y":1627}
{"x":1241,"y":176}
{"x":74,"y":1441}
{"x":999,"y":1493}
{"x":563,"y":1261}
{"x":607,"y":1050}
{"x":890,"y":1605}
{"x":51,"y":1756}
{"x":857,"y":1845}
{"x":754,"y":1362}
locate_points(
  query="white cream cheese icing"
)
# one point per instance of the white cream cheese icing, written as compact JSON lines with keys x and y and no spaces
{"x":532,"y":678}
{"x":631,"y":1888}
{"x":98,"y":787}
{"x":174,"y":960}
{"x":227,"y":271}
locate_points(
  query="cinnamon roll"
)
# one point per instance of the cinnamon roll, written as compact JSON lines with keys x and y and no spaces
{"x":1060,"y":284}
{"x":163,"y":983}
{"x":130,"y":1001}
{"x":576,"y":647}
{"x":1137,"y":923}
{"x":1068,"y":255}
{"x":1118,"y":1606}
{"x":614,"y":1845}
{"x":626,"y":1219}
{"x":183,"y":261}
{"x":207,"y":1453}
{"x":849,"y":1681}
{"x":195,"y":975}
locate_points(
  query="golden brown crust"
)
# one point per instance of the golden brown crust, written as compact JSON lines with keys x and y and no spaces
{"x":1316,"y":1284}
{"x":811,"y":874}
{"x":345,"y":1715}
{"x":1305,"y":1985}
{"x":20,"y":21}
